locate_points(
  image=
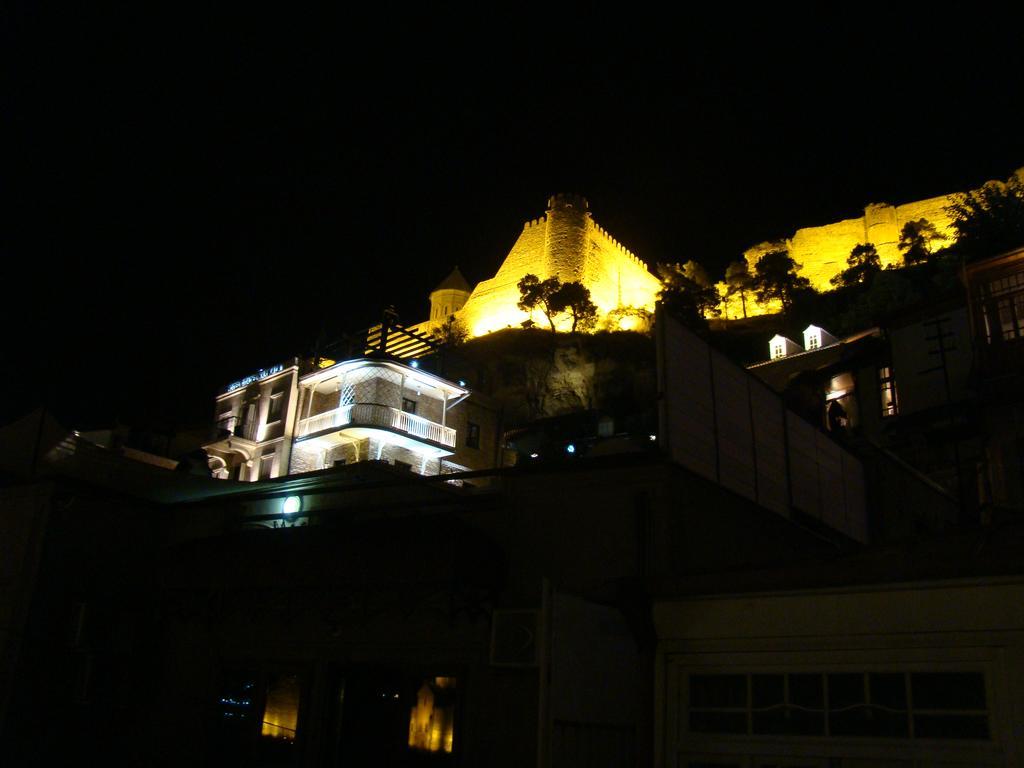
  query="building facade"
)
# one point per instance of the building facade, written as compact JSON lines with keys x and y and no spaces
{"x":300,"y":418}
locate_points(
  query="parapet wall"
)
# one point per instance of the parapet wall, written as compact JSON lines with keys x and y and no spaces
{"x":822,"y":251}
{"x":566,"y":243}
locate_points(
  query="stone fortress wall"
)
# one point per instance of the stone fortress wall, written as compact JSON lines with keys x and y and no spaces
{"x":566,"y":243}
{"x":821,"y":251}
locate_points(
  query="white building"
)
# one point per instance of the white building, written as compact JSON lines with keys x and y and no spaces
{"x":291,"y":419}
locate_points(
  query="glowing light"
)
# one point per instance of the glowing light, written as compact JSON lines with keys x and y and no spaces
{"x":653,"y":438}
{"x":292,"y":505}
{"x":415,"y":363}
{"x":326,"y":362}
{"x":534,"y":455}
{"x":462,"y":383}
{"x":628,"y":323}
{"x":570,"y":448}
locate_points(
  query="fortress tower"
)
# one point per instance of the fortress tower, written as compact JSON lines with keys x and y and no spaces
{"x":565,"y":243}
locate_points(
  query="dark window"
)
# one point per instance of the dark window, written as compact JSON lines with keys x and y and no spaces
{"x":390,"y":718}
{"x":901,"y":705}
{"x":266,"y":466}
{"x":274,"y":411}
{"x":472,"y":435}
{"x":409,"y":406}
{"x":258,"y":714}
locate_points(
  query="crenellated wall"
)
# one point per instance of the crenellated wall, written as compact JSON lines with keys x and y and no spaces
{"x":566,"y":243}
{"x":822,"y":251}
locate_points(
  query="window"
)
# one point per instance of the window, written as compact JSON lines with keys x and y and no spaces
{"x":778,"y":350}
{"x":266,"y":466}
{"x":896,"y":705}
{"x":813,"y":341}
{"x":409,"y":406}
{"x":274,"y":411}
{"x":472,"y":435}
{"x":887,"y":391}
{"x":258,"y":714}
{"x":385,"y":717}
{"x":1004,"y":310}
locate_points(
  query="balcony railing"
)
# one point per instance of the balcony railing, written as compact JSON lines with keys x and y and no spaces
{"x":371,"y":414}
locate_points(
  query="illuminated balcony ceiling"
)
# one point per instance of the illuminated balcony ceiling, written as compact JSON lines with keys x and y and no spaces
{"x":443,"y":387}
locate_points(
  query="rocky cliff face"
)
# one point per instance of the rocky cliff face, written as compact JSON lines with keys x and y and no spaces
{"x":533,"y":375}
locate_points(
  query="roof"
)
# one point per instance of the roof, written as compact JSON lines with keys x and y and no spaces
{"x":454,"y":282}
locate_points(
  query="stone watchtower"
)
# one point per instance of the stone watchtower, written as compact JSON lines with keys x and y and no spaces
{"x":449,"y":296}
{"x":565,"y":237}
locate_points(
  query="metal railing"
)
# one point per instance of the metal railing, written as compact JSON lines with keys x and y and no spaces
{"x":372,"y":414}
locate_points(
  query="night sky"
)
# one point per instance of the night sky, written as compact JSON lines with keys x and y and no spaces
{"x":192,"y":197}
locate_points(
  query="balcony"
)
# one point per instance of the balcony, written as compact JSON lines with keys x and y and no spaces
{"x":359,"y":416}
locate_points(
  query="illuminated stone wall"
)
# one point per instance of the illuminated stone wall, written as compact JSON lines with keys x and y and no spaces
{"x":566,"y":243}
{"x":822,"y":251}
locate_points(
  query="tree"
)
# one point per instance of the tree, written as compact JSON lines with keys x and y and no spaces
{"x":989,"y":220}
{"x":554,"y":298}
{"x":574,"y":298}
{"x":535,"y":293}
{"x":862,"y":263}
{"x":915,"y":242}
{"x":452,"y":332}
{"x":688,"y":293}
{"x":775,"y":277}
{"x":739,"y":281}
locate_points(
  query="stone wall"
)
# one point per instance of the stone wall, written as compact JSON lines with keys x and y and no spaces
{"x":566,"y":243}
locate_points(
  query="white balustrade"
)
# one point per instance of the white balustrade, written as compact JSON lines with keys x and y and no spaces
{"x":371,"y":414}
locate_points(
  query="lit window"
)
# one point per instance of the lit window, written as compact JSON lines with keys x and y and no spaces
{"x":887,"y":391}
{"x":472,"y":435}
{"x":409,"y":406}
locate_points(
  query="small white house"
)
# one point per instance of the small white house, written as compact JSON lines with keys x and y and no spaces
{"x":780,"y":346}
{"x":816,"y":338}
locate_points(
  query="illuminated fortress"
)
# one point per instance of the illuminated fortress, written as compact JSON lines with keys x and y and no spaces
{"x":568,"y":244}
{"x":565,"y":243}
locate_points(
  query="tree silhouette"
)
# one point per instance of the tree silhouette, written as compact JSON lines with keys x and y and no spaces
{"x":915,"y":242}
{"x":775,"y":277}
{"x":989,"y":220}
{"x":554,"y":298}
{"x":535,"y":293}
{"x":739,"y":281}
{"x":862,"y":263}
{"x":574,"y":298}
{"x":688,"y":293}
{"x":452,"y":332}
